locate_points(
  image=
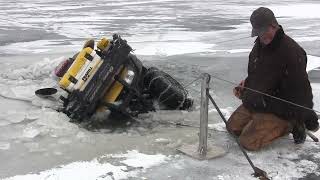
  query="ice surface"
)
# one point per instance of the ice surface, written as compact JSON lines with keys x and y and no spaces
{"x":290,"y":10}
{"x":190,"y":36}
{"x":96,"y":170}
{"x":306,"y":166}
{"x":21,"y":83}
{"x":171,"y":48}
{"x":55,"y":124}
{"x":163,"y":141}
{"x":134,"y":159}
{"x":313,"y":62}
{"x":4,"y":122}
{"x":218,"y":127}
{"x":35,"y":47}
{"x":15,"y":116}
{"x":309,"y":39}
{"x":34,"y":147}
{"x":4,"y":145}
{"x":30,"y":132}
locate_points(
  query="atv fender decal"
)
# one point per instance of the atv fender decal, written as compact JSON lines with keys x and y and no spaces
{"x":86,"y":75}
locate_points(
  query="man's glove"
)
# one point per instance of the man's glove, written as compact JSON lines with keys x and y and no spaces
{"x":299,"y":132}
{"x":311,"y":122}
{"x":312,"y":125}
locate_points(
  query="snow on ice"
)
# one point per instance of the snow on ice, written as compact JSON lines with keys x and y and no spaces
{"x":155,"y":28}
{"x":134,"y":163}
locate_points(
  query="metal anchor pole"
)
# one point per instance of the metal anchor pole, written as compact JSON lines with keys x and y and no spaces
{"x":203,"y":150}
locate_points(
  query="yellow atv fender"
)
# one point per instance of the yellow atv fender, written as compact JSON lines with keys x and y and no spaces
{"x":83,"y":69}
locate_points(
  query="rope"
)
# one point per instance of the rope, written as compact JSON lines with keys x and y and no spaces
{"x":215,"y":130}
{"x":196,"y":79}
{"x":184,"y":86}
{"x":259,"y":92}
{"x":221,"y":42}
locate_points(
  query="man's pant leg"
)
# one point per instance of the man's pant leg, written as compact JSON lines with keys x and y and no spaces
{"x":238,"y":120}
{"x":263,"y":130}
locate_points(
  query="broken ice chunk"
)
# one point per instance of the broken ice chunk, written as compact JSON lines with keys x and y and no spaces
{"x":30,"y":132}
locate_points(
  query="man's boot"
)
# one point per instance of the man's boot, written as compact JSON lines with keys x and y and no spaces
{"x":299,"y":132}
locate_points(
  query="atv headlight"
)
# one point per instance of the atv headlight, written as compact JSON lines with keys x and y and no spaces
{"x":129,"y":77}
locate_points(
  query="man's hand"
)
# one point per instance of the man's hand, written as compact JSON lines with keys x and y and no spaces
{"x":237,"y":91}
{"x":311,"y":122}
{"x":314,"y":128}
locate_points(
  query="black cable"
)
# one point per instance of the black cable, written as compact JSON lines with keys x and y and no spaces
{"x":257,"y":171}
{"x":259,"y":92}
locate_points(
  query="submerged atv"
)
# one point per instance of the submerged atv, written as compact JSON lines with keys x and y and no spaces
{"x":111,"y":78}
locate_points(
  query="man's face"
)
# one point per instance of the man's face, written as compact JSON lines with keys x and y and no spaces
{"x":267,"y":36}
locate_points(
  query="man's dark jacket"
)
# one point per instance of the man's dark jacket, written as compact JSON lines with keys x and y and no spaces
{"x":279,"y":69}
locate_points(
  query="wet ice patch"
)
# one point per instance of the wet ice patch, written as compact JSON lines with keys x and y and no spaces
{"x":34,"y":47}
{"x":172,"y":36}
{"x":34,"y":147}
{"x":162,"y":141}
{"x":313,"y":62}
{"x":85,"y":137}
{"x":127,"y":3}
{"x":57,"y":7}
{"x":225,"y":111}
{"x":307,"y":39}
{"x":133,"y":164}
{"x":79,"y":30}
{"x":170,"y":116}
{"x":316,"y":98}
{"x":64,"y":141}
{"x":290,"y":10}
{"x":171,"y":48}
{"x":169,"y":44}
{"x":233,"y":51}
{"x":218,"y":127}
{"x":4,"y":145}
{"x":4,"y":122}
